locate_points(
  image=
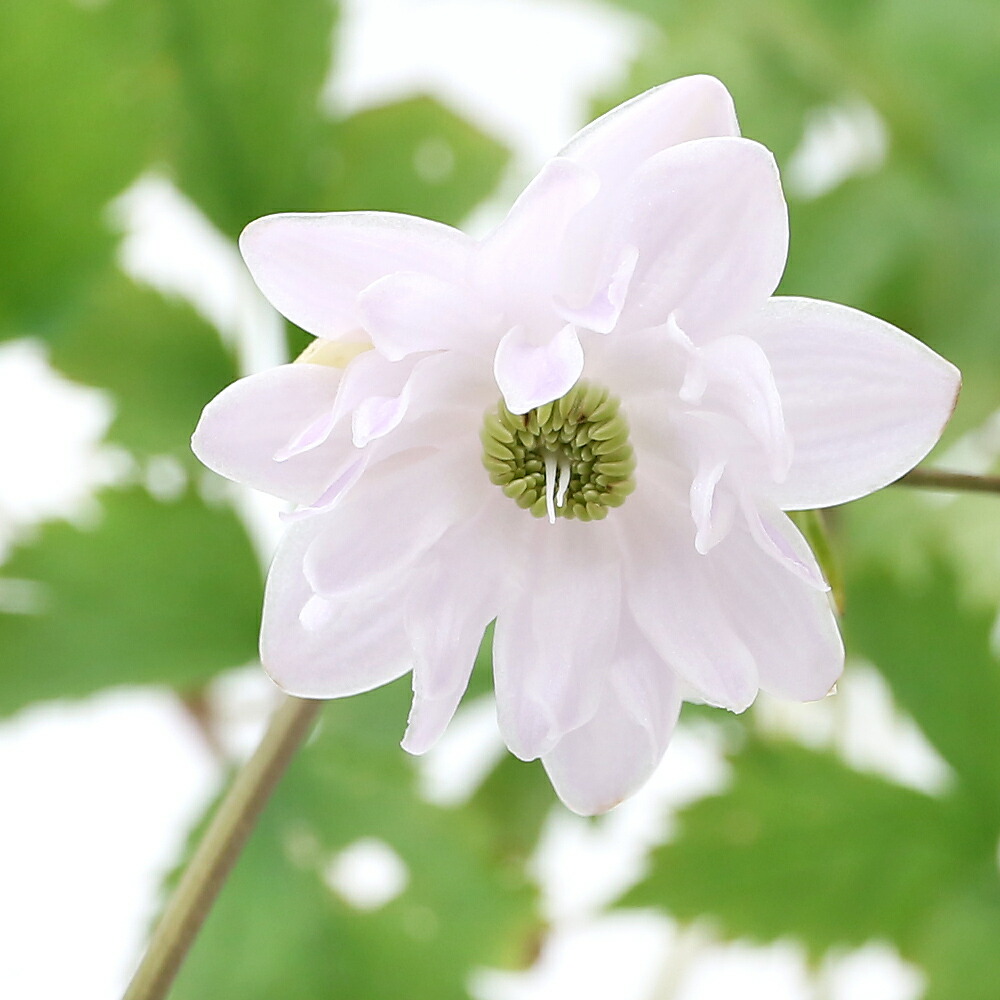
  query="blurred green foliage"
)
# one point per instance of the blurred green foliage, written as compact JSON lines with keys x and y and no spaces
{"x":279,"y":931}
{"x":224,"y":99}
{"x":154,"y":593}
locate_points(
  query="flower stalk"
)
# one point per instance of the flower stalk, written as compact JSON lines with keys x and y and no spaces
{"x":960,"y":482}
{"x":219,"y":848}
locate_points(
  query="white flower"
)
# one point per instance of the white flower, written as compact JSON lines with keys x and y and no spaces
{"x":631,"y":287}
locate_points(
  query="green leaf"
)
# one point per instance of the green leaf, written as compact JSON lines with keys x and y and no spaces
{"x":517,"y":797}
{"x":935,"y":653}
{"x":278,"y":930}
{"x":154,"y":593}
{"x":223,"y":97}
{"x":959,"y":948}
{"x":414,"y":156}
{"x":802,"y":846}
{"x":158,"y":358}
{"x":247,"y":136}
{"x":74,"y":133}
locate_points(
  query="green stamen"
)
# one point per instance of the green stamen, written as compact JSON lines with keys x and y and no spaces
{"x":570,"y":458}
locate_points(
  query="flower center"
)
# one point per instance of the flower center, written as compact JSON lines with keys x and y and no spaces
{"x":570,"y":458}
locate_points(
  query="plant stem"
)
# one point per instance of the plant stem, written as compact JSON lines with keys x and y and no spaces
{"x":938,"y":479}
{"x":219,"y":848}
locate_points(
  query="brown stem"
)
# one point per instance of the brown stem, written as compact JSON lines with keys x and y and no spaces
{"x":219,"y":848}
{"x":939,"y":479}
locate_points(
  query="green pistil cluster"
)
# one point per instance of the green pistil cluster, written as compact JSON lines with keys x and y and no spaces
{"x":568,"y":458}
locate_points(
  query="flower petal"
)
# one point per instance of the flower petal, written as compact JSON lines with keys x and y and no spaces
{"x":670,"y":591}
{"x":446,"y":617}
{"x":863,"y":401}
{"x":692,"y":107}
{"x":739,"y":381}
{"x":594,"y":254}
{"x":311,"y":267}
{"x":531,"y":371}
{"x":785,"y":621}
{"x":244,"y":432}
{"x":605,"y":760}
{"x":407,"y":312}
{"x":516,"y":265}
{"x":373,"y":386}
{"x":601,"y":312}
{"x":778,"y":538}
{"x":399,"y":509}
{"x":555,"y":635}
{"x":315,"y":648}
{"x":709,"y":220}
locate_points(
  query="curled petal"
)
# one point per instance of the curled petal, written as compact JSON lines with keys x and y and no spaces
{"x":343,"y":480}
{"x":316,"y":648}
{"x":671,"y":594}
{"x":605,"y":760}
{"x":446,"y":617}
{"x":863,"y":401}
{"x":555,"y":636}
{"x":692,"y":107}
{"x":312,"y":268}
{"x":401,"y":508}
{"x":786,"y":622}
{"x":709,"y":220}
{"x":533,"y":371}
{"x":711,"y":508}
{"x":739,"y":379}
{"x":376,"y":416}
{"x":374,"y":393}
{"x":778,"y":538}
{"x":408,"y":312}
{"x":516,"y":265}
{"x":244,"y":433}
{"x":601,"y":313}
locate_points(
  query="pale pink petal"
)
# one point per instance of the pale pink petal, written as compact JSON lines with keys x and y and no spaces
{"x":446,"y":617}
{"x":711,"y":508}
{"x":406,"y":313}
{"x":739,"y":381}
{"x":312,"y":267}
{"x":645,"y":362}
{"x":788,"y":625}
{"x":371,"y":376}
{"x":315,"y":648}
{"x":556,"y":634}
{"x":601,"y":312}
{"x":863,"y":401}
{"x":517,"y":264}
{"x":692,"y":107}
{"x":377,"y":416}
{"x":595,"y":767}
{"x":607,"y":759}
{"x":709,"y":220}
{"x":778,"y":538}
{"x":395,"y":514}
{"x":671,"y":593}
{"x":244,"y":430}
{"x":315,"y":433}
{"x":532,"y":371}
{"x":343,"y":480}
{"x":615,"y":147}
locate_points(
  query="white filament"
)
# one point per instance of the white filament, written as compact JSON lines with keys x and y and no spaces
{"x":557,"y":474}
{"x":564,"y":474}
{"x":550,"y":486}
